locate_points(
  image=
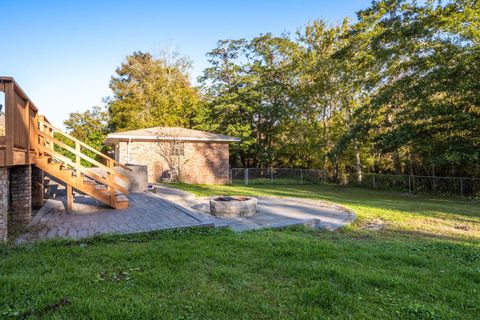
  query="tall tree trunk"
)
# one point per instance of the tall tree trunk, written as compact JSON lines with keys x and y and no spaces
{"x":356,"y":146}
{"x":397,"y":164}
{"x":358,"y":161}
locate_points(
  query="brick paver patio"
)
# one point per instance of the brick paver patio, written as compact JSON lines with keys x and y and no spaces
{"x":147,"y":212}
{"x":171,"y":208}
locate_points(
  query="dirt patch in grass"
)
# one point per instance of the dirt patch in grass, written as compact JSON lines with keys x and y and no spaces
{"x":373,"y":225}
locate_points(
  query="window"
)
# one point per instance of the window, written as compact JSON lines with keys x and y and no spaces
{"x":178,"y":149}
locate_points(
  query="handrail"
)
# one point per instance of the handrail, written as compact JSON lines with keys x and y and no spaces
{"x":82,"y":169}
{"x":46,"y":142}
{"x":19,"y":91}
{"x":48,"y":124}
{"x":81,"y":155}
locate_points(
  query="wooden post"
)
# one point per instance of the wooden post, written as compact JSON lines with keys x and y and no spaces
{"x":34,"y":133}
{"x":69,"y":198}
{"x":246,"y":176}
{"x":410,"y":184}
{"x":26,"y":115}
{"x":301,"y":176}
{"x":110,"y":180}
{"x":271,"y":175}
{"x":78,"y":174}
{"x":10,"y":107}
{"x":374,"y":183}
{"x":461,"y":187}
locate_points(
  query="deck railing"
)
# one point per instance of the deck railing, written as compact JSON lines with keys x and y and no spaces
{"x":20,"y":125}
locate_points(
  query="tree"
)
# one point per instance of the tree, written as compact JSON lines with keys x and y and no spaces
{"x":426,"y":102}
{"x":149,"y":92}
{"x":89,"y":126}
{"x":248,"y":92}
{"x":394,"y":92}
{"x":172,"y":149}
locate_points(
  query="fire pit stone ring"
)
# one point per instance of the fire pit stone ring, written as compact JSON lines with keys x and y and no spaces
{"x":233,"y":206}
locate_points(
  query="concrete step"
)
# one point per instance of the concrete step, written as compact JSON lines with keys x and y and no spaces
{"x":172,"y":194}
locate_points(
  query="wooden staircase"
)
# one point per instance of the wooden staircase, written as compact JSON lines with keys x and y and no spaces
{"x":65,"y":158}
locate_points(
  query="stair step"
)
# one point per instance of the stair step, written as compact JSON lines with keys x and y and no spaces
{"x":64,"y":172}
{"x":121,"y":198}
{"x":54,"y":165}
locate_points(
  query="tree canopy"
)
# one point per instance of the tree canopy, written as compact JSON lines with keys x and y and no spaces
{"x":149,"y":91}
{"x":396,"y":91}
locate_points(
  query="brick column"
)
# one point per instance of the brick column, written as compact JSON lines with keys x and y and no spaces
{"x":21,"y":193}
{"x":4,"y":191}
{"x":38,"y":188}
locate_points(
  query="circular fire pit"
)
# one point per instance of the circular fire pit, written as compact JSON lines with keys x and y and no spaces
{"x":231,"y":207}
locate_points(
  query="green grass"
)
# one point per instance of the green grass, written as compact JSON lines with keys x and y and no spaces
{"x":425,"y":264}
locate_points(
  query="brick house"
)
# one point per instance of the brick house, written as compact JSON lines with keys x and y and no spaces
{"x":195,"y":156}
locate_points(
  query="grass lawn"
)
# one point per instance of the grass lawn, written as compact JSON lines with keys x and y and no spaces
{"x":423,"y":264}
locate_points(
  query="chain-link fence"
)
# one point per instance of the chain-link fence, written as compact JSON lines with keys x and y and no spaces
{"x":276,"y":176}
{"x":469,"y":187}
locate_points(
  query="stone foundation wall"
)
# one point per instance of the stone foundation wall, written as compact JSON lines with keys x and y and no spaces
{"x":4,"y":195}
{"x":21,"y":193}
{"x":38,"y":188}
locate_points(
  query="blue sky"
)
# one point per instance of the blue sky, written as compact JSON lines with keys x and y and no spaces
{"x":63,"y":53}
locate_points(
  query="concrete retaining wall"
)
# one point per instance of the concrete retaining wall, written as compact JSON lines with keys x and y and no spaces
{"x":138,"y":177}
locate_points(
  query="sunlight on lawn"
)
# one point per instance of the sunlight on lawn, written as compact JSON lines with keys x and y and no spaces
{"x":425,"y":215}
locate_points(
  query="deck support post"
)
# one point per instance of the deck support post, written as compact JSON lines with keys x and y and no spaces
{"x":4,"y":195}
{"x":21,"y":193}
{"x":38,"y":187}
{"x":69,"y":198}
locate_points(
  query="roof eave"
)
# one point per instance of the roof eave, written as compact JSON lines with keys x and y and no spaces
{"x":115,"y":138}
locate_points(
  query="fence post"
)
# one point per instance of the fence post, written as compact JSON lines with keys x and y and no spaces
{"x":374,"y":184}
{"x":271,"y":175}
{"x":410,"y":184}
{"x":461,"y":187}
{"x":301,"y":176}
{"x":246,"y":176}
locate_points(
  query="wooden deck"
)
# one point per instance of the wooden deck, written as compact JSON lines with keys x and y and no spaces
{"x":28,"y":138}
{"x":16,"y":146}
{"x":20,"y":155}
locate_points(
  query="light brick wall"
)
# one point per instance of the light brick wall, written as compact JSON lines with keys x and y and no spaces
{"x":204,"y":163}
{"x":4,"y":190}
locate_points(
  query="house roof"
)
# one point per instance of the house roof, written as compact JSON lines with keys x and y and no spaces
{"x":168,"y":133}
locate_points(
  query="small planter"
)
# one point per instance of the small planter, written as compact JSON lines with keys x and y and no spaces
{"x":232,"y":207}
